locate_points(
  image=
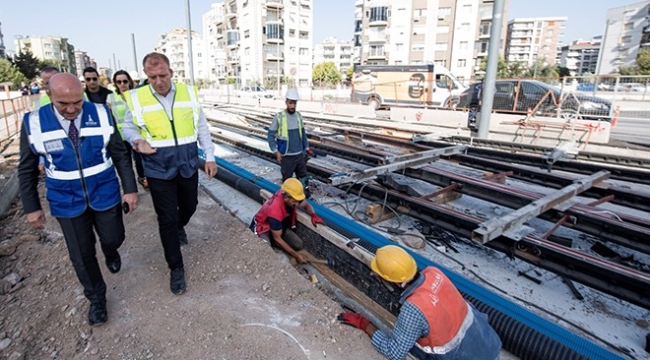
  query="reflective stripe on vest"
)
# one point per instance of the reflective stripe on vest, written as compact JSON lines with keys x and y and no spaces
{"x":38,"y":139}
{"x":154,"y":123}
{"x":447,"y":313}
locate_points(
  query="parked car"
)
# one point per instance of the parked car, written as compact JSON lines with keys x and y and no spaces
{"x":255,"y":92}
{"x":518,"y":96}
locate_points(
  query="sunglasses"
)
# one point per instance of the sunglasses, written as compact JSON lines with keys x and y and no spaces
{"x":121,"y":81}
{"x":91,"y":79}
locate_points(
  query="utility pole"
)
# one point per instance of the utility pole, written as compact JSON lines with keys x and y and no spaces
{"x":491,"y":70}
{"x":189,"y":40}
{"x":135,"y":55}
{"x":114,"y":64}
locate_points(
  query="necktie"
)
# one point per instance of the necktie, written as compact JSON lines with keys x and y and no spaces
{"x":73,"y":134}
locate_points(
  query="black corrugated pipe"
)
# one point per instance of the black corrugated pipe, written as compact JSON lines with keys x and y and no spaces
{"x":521,"y":339}
{"x":518,"y":338}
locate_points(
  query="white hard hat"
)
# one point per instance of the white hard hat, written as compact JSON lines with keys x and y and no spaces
{"x":292,"y":94}
{"x":134,"y":75}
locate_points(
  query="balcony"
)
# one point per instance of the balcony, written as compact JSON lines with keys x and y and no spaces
{"x":274,"y":33}
{"x":377,"y":39}
{"x":219,"y":35}
{"x":274,"y":4}
{"x":521,"y":34}
{"x":273,"y":56}
{"x":358,"y":3}
{"x":232,"y":37}
{"x":234,"y":59}
{"x":231,"y":12}
{"x":378,"y":16}
{"x":376,"y":55}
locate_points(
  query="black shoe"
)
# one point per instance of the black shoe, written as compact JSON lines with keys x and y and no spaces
{"x":177,"y":281}
{"x":114,"y":264}
{"x":97,"y":314}
{"x":182,"y":236}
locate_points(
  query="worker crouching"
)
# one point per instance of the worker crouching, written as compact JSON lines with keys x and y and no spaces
{"x":278,"y":216}
{"x":435,"y":322}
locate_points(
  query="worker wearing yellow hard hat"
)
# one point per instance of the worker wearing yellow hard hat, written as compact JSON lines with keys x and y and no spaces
{"x":434,"y":322}
{"x":278,"y":216}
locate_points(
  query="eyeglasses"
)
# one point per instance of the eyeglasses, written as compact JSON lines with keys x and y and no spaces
{"x":91,"y":79}
{"x":121,"y":81}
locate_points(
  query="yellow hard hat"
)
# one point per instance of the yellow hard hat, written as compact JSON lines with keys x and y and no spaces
{"x":293,"y":187}
{"x":394,"y":264}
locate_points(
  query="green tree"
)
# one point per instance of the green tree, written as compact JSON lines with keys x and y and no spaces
{"x":49,"y":62}
{"x":27,"y":64}
{"x":563,"y":71}
{"x":326,"y":72}
{"x":628,"y":70}
{"x":502,"y":68}
{"x":643,"y":62}
{"x":9,"y":72}
{"x":349,"y":73}
{"x":541,"y":70}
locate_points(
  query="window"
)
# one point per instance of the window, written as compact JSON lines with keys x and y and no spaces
{"x":549,"y":33}
{"x":485,"y":28}
{"x":304,"y":35}
{"x":417,"y":13}
{"x":199,"y":55}
{"x":417,"y":47}
{"x":463,"y":45}
{"x":247,"y":51}
{"x":47,"y":45}
{"x":379,"y":13}
{"x":442,"y":63}
{"x":399,"y":47}
{"x":376,"y":50}
{"x":462,"y":63}
{"x":626,"y":39}
{"x":464,"y":27}
{"x":442,"y":29}
{"x":292,"y":50}
{"x":247,"y":34}
{"x":629,"y":26}
{"x":441,"y":46}
{"x":273,"y":31}
{"x":292,"y":33}
{"x":467,"y":9}
{"x":444,"y":11}
{"x":303,"y":51}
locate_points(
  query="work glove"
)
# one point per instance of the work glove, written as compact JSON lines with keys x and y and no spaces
{"x":310,"y":152}
{"x":355,"y":320}
{"x":315,"y":219}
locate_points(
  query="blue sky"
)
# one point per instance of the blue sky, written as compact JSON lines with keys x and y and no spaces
{"x":106,"y":29}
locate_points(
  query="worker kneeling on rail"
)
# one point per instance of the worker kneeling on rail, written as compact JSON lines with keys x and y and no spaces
{"x":278,"y":216}
{"x":435,"y":322}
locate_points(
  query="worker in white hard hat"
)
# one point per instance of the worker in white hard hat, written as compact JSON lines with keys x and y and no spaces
{"x":434,"y":322}
{"x":288,"y":140}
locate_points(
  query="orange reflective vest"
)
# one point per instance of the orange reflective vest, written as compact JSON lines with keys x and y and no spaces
{"x":447,"y":313}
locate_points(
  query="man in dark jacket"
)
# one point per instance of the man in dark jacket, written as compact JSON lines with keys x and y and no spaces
{"x":71,"y":133}
{"x":94,"y":91}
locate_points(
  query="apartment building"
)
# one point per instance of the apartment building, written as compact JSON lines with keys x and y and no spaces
{"x":2,"y":43}
{"x":530,"y":39}
{"x":281,"y":48}
{"x":174,"y":45}
{"x":48,"y":48}
{"x":337,"y":51}
{"x":581,"y":56}
{"x":626,"y":32}
{"x":215,"y":64}
{"x":82,"y":61}
{"x":450,"y":33}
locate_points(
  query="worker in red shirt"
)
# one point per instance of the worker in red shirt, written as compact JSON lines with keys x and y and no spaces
{"x":278,"y":216}
{"x":435,"y":321}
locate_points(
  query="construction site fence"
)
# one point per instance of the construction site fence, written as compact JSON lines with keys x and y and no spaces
{"x":12,"y":109}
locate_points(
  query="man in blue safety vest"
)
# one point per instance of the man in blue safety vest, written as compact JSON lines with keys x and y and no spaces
{"x":288,"y":140}
{"x":82,"y":150}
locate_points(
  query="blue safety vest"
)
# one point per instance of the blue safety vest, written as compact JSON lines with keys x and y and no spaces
{"x":76,"y":178}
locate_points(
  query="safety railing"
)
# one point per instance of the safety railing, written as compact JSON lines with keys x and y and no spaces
{"x":12,"y":111}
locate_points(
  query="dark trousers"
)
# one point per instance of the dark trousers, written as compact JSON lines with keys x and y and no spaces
{"x":289,"y":236}
{"x":175,"y":202}
{"x":291,"y":164}
{"x":80,"y":240}
{"x":137,"y":158}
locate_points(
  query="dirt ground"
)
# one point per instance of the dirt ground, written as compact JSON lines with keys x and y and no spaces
{"x":244,"y":301}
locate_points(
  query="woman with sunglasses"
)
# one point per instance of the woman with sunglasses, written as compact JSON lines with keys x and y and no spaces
{"x":123,"y":83}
